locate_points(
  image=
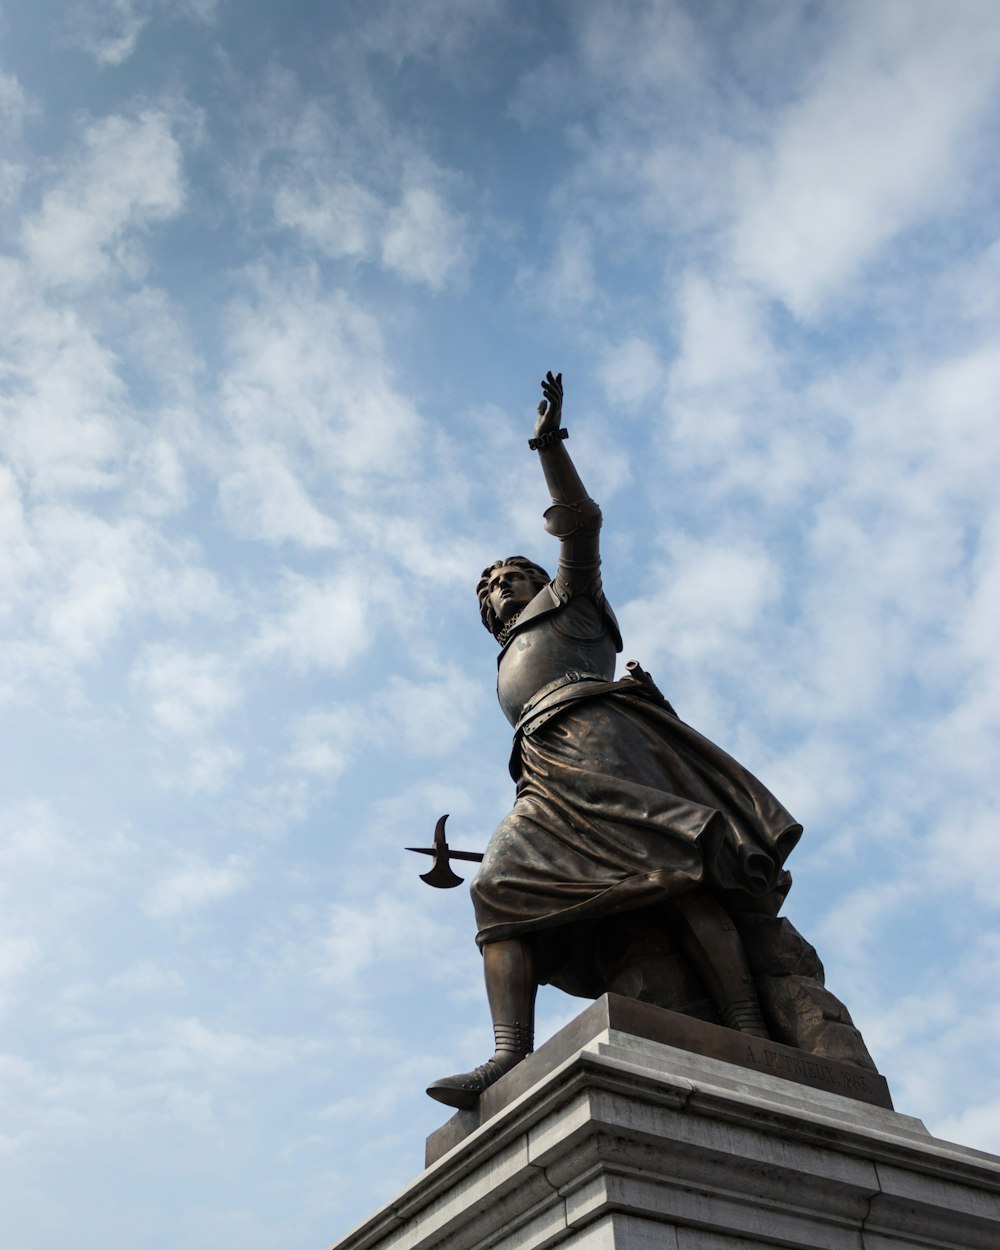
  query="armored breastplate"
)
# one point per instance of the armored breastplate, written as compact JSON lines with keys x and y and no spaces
{"x":576,"y":637}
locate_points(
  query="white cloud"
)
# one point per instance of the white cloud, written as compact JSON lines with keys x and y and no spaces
{"x":956,"y":402}
{"x":56,"y":874}
{"x":157,"y":478}
{"x":202,"y":10}
{"x":361,"y":934}
{"x":900,"y":548}
{"x":324,"y":740}
{"x":658,"y":44}
{"x":425,"y":240}
{"x":194,"y":884}
{"x":146,"y":977}
{"x":309,"y":373}
{"x":342,"y":218}
{"x":977,"y":1126}
{"x":17,"y":954}
{"x":180,"y":588}
{"x":400,"y":1080}
{"x":963,"y":840}
{"x":126,"y":176}
{"x":31,"y":835}
{"x":261,"y":497}
{"x":819,"y":779}
{"x":270,"y":810}
{"x":723,"y":339}
{"x":62,"y":405}
{"x":19,"y":558}
{"x":858,"y":920}
{"x":568,"y":284}
{"x":186,"y":693}
{"x":75,"y":579}
{"x":97,"y":587}
{"x":324,"y":624}
{"x":442,"y":30}
{"x":91,"y":612}
{"x":431,"y":717}
{"x":222,"y":1054}
{"x":631,"y":372}
{"x":207,"y":767}
{"x":162,"y":351}
{"x":626,"y":59}
{"x":879,"y":142}
{"x":354,"y":185}
{"x":709,"y":596}
{"x":109,"y":29}
{"x":15,"y":107}
{"x":723,"y":401}
{"x":12,"y":180}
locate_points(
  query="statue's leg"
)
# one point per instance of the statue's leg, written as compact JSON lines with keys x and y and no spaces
{"x":713,"y":944}
{"x":509,"y":969}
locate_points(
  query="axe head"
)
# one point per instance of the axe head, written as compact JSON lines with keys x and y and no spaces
{"x":441,"y":875}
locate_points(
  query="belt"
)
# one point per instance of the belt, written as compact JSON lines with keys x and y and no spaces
{"x":552,"y":698}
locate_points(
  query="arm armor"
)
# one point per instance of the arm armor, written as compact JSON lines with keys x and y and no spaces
{"x":577,"y":526}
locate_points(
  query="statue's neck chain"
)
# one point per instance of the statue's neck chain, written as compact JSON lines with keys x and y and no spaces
{"x":505,"y":633}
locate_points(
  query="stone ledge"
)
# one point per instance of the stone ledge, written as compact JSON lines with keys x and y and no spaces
{"x":629,"y":1144}
{"x":633,"y":1019}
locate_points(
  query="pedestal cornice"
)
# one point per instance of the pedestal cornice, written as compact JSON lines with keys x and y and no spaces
{"x":629,"y":1142}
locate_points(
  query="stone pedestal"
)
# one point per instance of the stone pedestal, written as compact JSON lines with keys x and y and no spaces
{"x":610,"y":1138}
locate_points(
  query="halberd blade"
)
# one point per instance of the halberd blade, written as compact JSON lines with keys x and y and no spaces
{"x":441,"y":875}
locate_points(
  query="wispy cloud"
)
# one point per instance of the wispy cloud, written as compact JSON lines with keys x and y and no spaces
{"x":879,"y":142}
{"x":127,"y":175}
{"x":195,"y":883}
{"x":424,"y":240}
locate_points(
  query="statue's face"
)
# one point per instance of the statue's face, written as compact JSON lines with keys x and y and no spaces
{"x":509,"y":590}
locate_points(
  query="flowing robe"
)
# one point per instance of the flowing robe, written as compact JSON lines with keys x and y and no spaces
{"x":619,"y":806}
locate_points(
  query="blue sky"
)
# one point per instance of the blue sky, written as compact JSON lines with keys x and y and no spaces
{"x":279,"y":282}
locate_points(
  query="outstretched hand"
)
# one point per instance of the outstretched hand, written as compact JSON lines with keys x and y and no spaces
{"x":550,"y":408}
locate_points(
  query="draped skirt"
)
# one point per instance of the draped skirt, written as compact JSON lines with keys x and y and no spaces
{"x":622,"y":806}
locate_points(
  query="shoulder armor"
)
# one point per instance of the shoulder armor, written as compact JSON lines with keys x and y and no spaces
{"x":551,"y":598}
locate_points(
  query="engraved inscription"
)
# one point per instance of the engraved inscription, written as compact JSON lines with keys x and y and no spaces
{"x":808,"y":1068}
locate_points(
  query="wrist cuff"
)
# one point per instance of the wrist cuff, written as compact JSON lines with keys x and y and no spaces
{"x":548,"y":439}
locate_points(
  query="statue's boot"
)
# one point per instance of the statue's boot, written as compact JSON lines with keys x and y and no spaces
{"x":713,"y":944}
{"x":463,"y":1091}
{"x":510,"y":988}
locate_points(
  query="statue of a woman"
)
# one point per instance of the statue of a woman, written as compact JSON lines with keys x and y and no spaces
{"x":630,"y":832}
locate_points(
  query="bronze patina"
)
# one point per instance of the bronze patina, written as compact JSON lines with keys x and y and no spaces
{"x":639,"y":858}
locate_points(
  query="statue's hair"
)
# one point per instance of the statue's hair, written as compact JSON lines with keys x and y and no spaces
{"x":534,"y":572}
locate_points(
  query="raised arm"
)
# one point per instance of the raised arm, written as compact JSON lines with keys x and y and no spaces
{"x":574,"y":518}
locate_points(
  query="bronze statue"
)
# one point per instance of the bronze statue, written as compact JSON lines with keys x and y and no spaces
{"x":639,"y":858}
